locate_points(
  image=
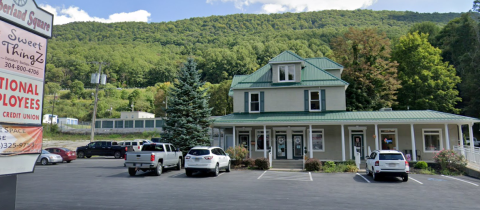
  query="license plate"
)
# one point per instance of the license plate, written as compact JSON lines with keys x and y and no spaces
{"x":392,"y":164}
{"x":197,"y":159}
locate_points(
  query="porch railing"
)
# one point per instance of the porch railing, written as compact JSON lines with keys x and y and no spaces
{"x":473,"y":157}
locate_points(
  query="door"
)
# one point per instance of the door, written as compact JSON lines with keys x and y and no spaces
{"x":169,"y":155}
{"x":357,"y":141}
{"x":297,"y":146}
{"x":243,"y":141}
{"x":281,"y":146}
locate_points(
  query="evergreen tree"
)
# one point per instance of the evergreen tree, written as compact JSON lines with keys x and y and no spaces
{"x":188,"y":113}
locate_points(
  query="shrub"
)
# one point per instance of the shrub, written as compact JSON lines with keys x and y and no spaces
{"x":330,"y":164}
{"x":350,"y":163}
{"x":450,"y":162}
{"x":262,"y":163}
{"x":249,"y":162}
{"x":313,"y":164}
{"x":428,"y":170}
{"x":351,"y":168}
{"x":237,"y":154}
{"x":421,"y":165}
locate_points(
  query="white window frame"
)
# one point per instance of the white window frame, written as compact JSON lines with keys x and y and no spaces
{"x":287,"y":69}
{"x":310,"y":101}
{"x":269,"y":134}
{"x":323,"y":139}
{"x":440,"y":139}
{"x":383,"y":131}
{"x":250,"y":102}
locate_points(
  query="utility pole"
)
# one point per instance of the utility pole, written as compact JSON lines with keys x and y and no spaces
{"x":97,"y":81}
{"x":53,"y":108}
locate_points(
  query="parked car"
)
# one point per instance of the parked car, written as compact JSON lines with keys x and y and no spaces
{"x":135,"y":145}
{"x":475,"y":141}
{"x":387,"y":163}
{"x":206,"y":159}
{"x":154,"y":157}
{"x":67,"y":155}
{"x":47,"y":157}
{"x":101,"y":148}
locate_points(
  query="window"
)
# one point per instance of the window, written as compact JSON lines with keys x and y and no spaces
{"x":315,"y":100}
{"x":388,"y":137}
{"x":138,"y":123}
{"x":286,"y":73}
{"x":317,"y":140}
{"x":254,"y":102}
{"x":391,"y":156}
{"x":199,"y":152}
{"x":432,"y":140}
{"x":259,"y":140}
{"x":119,"y":124}
{"x":128,"y":123}
{"x":168,"y":148}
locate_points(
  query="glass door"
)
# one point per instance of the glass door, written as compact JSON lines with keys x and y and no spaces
{"x":281,"y":147}
{"x":297,"y":146}
{"x":243,"y":141}
{"x":357,"y":141}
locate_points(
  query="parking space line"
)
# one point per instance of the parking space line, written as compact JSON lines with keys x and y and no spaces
{"x":460,"y":180}
{"x":262,"y":175}
{"x":310,"y":173}
{"x":219,"y":175}
{"x":363,"y":177}
{"x":416,"y":180}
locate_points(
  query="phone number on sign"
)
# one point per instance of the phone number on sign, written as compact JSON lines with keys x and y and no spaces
{"x":14,"y":145}
{"x":21,"y":68}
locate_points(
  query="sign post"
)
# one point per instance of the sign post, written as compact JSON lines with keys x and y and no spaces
{"x":24,"y":30}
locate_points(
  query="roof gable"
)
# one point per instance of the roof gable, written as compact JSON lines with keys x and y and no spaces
{"x":324,"y":63}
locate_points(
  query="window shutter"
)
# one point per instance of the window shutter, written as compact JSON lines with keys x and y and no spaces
{"x":262,"y":107}
{"x":324,"y":103}
{"x":246,"y":102}
{"x":306,"y":101}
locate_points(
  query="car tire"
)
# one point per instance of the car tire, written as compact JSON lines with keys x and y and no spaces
{"x":217,"y":170}
{"x":405,"y":178}
{"x":44,"y":161}
{"x":159,"y":169}
{"x":88,"y":156}
{"x":117,"y":155}
{"x":188,"y":172}
{"x":81,"y":154}
{"x":132,"y":171}
{"x":179,"y":165}
{"x":69,"y":161}
{"x":228,"y":167}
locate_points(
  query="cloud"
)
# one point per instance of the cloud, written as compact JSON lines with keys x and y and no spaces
{"x":73,"y":14}
{"x":276,"y":6}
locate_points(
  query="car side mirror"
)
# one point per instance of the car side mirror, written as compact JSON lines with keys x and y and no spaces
{"x":367,"y":157}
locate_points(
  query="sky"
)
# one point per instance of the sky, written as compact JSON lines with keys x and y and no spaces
{"x":109,"y":11}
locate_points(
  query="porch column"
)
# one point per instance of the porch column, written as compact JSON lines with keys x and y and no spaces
{"x":460,"y":138}
{"x":264,"y":141}
{"x":219,"y":141}
{"x":376,"y":137}
{"x":414,"y":151}
{"x":472,"y":143}
{"x":343,"y":143}
{"x":234,"y":134}
{"x":447,"y":137}
{"x":310,"y":142}
{"x":211,"y":135}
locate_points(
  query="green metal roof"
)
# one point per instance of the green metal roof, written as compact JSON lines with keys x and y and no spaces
{"x":324,"y":63}
{"x":286,"y":56}
{"x":343,"y":117}
{"x":236,"y":79}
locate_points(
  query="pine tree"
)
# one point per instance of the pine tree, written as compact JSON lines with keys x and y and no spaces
{"x":188,"y":122}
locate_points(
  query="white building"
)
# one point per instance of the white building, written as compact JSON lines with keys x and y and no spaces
{"x":68,"y":121}
{"x":136,"y":115}
{"x":47,"y":118}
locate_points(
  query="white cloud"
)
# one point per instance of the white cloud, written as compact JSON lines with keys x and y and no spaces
{"x":275,"y":6}
{"x":73,"y":14}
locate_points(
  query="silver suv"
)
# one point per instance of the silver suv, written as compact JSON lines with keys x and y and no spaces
{"x":206,"y":159}
{"x":387,"y":163}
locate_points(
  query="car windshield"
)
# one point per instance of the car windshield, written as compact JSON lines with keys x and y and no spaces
{"x":153,"y":147}
{"x":199,"y":152}
{"x":65,"y":149}
{"x":45,"y":152}
{"x":391,"y":156}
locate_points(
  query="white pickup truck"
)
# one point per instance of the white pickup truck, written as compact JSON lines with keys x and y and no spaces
{"x":153,"y":157}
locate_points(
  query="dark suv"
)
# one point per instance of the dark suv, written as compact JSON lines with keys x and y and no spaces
{"x":101,"y":148}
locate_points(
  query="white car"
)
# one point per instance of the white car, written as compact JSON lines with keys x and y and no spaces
{"x":47,"y":157}
{"x":135,"y":145}
{"x":206,"y":159}
{"x":475,"y":141}
{"x":387,"y":163}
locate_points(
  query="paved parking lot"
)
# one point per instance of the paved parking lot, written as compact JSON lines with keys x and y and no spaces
{"x":103,"y":183}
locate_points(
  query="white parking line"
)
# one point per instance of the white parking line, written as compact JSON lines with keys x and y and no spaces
{"x":310,"y":173}
{"x":416,"y":180}
{"x":262,"y":175}
{"x":219,"y":175}
{"x":363,"y":177}
{"x":460,"y":180}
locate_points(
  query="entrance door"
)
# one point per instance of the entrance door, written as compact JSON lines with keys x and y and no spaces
{"x":243,"y":141}
{"x":297,"y":146}
{"x":281,"y":146}
{"x":357,"y":141}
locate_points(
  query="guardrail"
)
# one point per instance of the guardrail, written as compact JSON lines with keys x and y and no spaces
{"x":472,"y":157}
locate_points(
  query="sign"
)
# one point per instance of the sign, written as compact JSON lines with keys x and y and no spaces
{"x":22,"y":71}
{"x":16,"y":140}
{"x":27,"y":14}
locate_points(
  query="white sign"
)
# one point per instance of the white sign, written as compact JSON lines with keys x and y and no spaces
{"x":26,"y":13}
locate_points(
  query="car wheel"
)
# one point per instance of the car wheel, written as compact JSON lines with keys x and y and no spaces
{"x":88,"y":156}
{"x":188,"y":172}
{"x":44,"y":161}
{"x":117,"y":155}
{"x":132,"y":171}
{"x":158,"y":172}
{"x":81,"y":154}
{"x":179,"y":164}
{"x":69,"y":161}
{"x":367,"y":172}
{"x":228,"y":167}
{"x":405,"y":178}
{"x":217,"y":170}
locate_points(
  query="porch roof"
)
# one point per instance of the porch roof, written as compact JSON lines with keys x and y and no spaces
{"x":343,"y":117}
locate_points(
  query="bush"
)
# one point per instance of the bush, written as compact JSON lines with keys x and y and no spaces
{"x":237,"y":154}
{"x":351,"y":168}
{"x":249,"y":162}
{"x":421,"y":165}
{"x":350,"y":163}
{"x":450,"y":162}
{"x":262,"y":163}
{"x":313,"y":164}
{"x":330,"y":164}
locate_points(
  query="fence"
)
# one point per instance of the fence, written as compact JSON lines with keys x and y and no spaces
{"x":473,"y":157}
